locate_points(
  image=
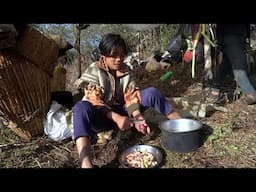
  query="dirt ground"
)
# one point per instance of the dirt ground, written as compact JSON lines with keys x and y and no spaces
{"x":229,"y":136}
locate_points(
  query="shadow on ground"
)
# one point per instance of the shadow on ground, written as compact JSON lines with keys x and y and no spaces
{"x":205,"y":133}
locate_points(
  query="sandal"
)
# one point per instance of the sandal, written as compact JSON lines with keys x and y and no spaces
{"x":250,"y":98}
{"x":215,"y":96}
{"x":211,"y":95}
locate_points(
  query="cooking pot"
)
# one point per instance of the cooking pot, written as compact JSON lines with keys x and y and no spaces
{"x":181,"y":135}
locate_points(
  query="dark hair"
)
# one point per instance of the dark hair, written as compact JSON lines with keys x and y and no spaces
{"x":110,"y":43}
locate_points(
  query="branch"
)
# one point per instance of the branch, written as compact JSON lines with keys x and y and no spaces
{"x":82,"y":26}
{"x":13,"y":145}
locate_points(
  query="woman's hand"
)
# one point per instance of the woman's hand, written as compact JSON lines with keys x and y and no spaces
{"x":132,"y":95}
{"x":141,"y":125}
{"x":93,"y":94}
{"x":123,"y":122}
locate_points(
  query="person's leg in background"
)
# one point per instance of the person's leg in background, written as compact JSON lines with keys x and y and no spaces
{"x":235,"y":47}
{"x":221,"y":73}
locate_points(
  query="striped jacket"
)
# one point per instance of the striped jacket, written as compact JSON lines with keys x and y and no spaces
{"x":112,"y":89}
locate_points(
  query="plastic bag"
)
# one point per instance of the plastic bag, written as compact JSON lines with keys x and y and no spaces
{"x":56,"y":125}
{"x":175,"y":45}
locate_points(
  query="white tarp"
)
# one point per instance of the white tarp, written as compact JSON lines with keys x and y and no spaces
{"x":141,"y":27}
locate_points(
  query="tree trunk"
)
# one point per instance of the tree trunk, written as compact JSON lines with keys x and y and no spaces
{"x":158,"y":38}
{"x":79,"y":28}
{"x":78,"y":48}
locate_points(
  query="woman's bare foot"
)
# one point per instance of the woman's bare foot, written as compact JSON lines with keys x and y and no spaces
{"x":86,"y":163}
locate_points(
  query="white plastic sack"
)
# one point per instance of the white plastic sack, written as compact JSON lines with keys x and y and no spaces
{"x":56,"y":125}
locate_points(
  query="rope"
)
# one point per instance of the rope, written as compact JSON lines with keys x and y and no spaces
{"x":206,"y":37}
{"x":201,"y":31}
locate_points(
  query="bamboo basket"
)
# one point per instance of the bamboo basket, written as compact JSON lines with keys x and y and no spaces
{"x":24,"y":94}
{"x":58,"y":80}
{"x":38,"y":48}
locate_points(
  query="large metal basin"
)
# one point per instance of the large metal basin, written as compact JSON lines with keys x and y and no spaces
{"x":181,"y":135}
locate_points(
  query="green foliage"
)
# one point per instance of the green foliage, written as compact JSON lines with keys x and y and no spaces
{"x":152,"y":39}
{"x":167,"y":32}
{"x":91,"y":37}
